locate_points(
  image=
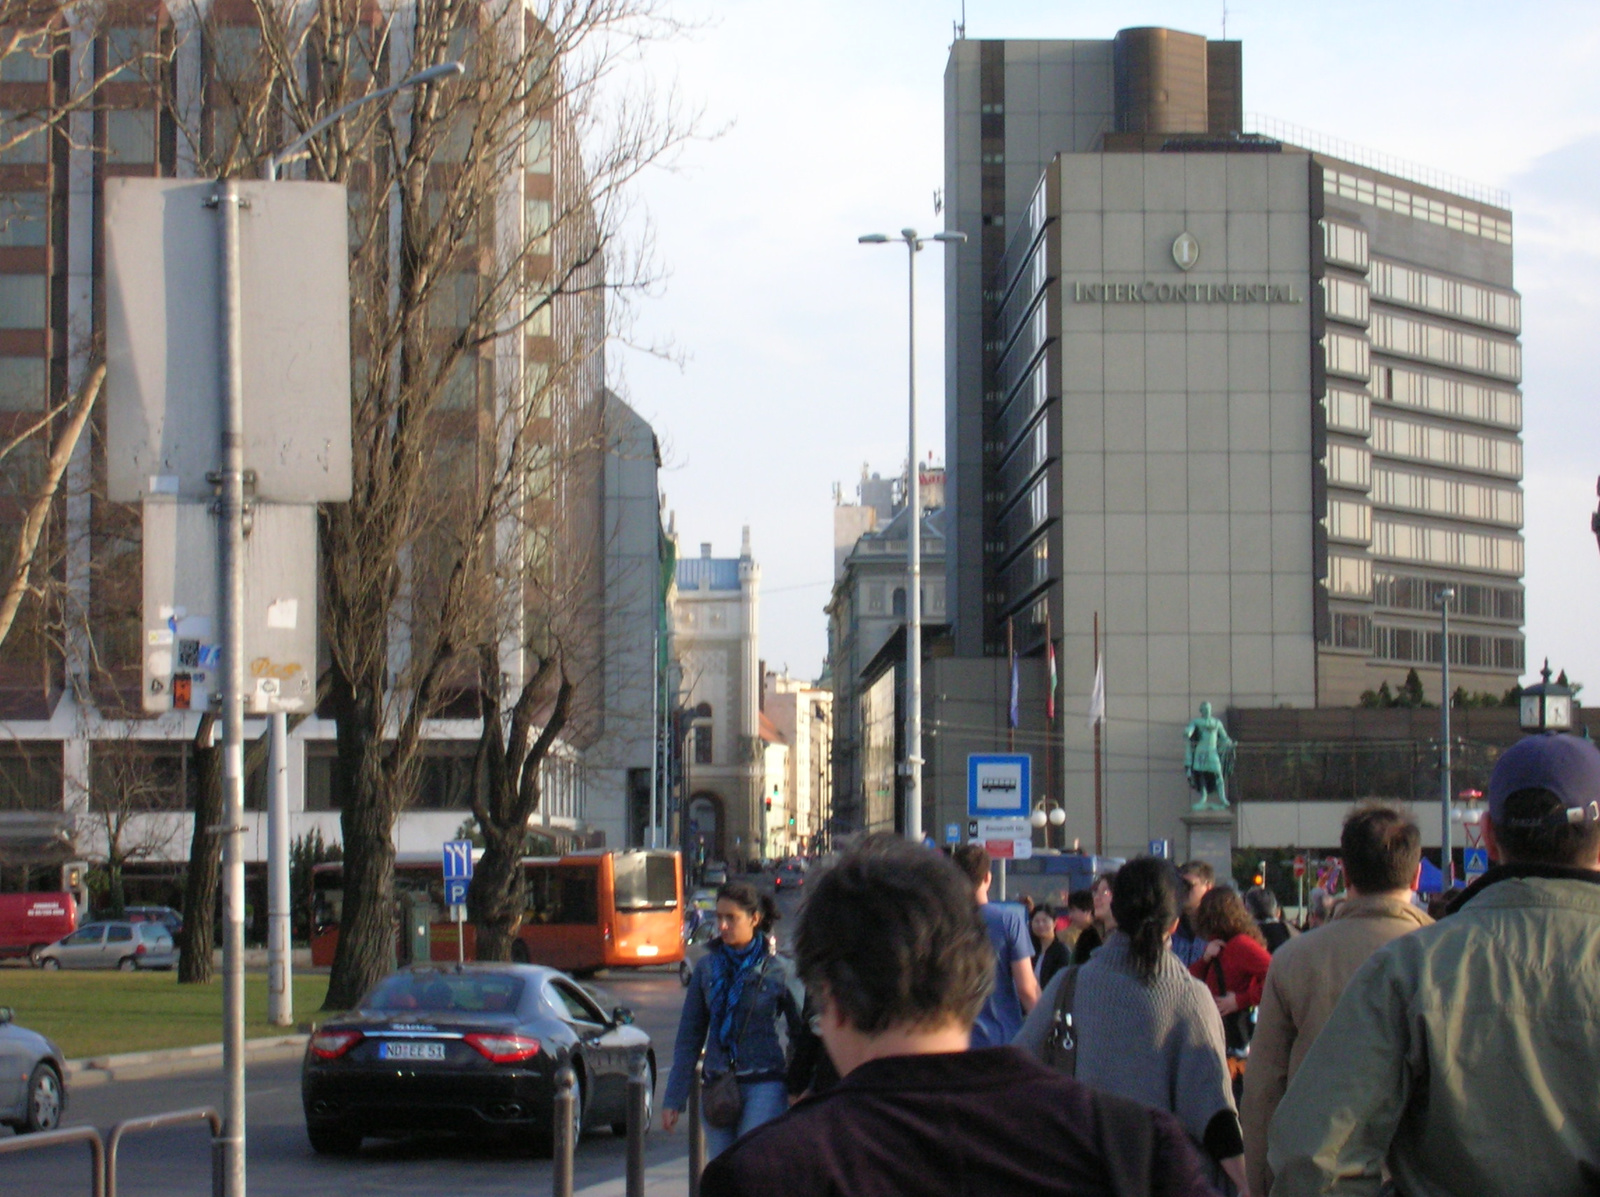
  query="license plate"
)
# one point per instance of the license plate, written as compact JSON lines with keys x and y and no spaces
{"x":390,"y":1050}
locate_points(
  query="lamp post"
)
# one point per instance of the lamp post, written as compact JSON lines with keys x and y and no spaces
{"x":1045,"y":816}
{"x":1545,"y":706}
{"x":1446,"y":854}
{"x":913,"y":765}
{"x":230,"y":478}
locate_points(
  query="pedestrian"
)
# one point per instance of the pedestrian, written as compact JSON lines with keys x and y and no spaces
{"x":1145,"y":1028}
{"x":1263,"y":906}
{"x":1319,"y":906}
{"x":1049,"y":953}
{"x":1234,"y":961}
{"x":1198,"y":878}
{"x":1462,"y":1057}
{"x":900,"y":964}
{"x":739,"y":995}
{"x":1104,"y":920}
{"x":1082,"y":936}
{"x":1015,"y":988}
{"x":1382,"y":858}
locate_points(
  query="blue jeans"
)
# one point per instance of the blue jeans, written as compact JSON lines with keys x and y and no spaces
{"x":763,"y":1101}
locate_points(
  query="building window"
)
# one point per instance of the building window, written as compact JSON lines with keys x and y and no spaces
{"x":24,"y":218}
{"x":1409,"y":592}
{"x":1345,"y":299}
{"x":1349,"y":577}
{"x":702,"y":734}
{"x":1446,"y":446}
{"x":30,"y":775}
{"x":1345,"y":245}
{"x":23,"y":383}
{"x":1349,"y":520}
{"x":1479,"y":353}
{"x":1447,"y":496}
{"x":23,"y":301}
{"x":1447,"y":546}
{"x":1348,"y":411}
{"x":1388,"y":198}
{"x":1448,"y":396}
{"x":1347,"y":355}
{"x":1415,"y":288}
{"x":897,"y":604}
{"x":1349,"y":465}
{"x":1352,"y":631}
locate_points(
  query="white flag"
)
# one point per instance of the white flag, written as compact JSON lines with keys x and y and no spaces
{"x":1097,"y":696}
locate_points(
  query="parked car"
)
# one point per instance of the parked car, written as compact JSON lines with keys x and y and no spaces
{"x":470,"y":1049}
{"x":28,"y":922}
{"x":33,"y":1078}
{"x":123,"y":945}
{"x":716,"y":873}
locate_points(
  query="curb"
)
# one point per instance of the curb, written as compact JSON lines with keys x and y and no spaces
{"x":138,"y":1066}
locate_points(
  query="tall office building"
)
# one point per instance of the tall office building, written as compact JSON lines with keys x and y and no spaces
{"x":1249,"y":397}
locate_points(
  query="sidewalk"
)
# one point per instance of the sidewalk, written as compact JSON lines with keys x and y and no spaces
{"x":142,"y":1066}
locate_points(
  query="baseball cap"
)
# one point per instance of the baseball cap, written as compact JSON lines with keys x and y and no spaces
{"x":1566,"y":766}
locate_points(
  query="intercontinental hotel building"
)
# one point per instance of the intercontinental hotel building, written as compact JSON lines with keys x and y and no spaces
{"x":1245,"y":398}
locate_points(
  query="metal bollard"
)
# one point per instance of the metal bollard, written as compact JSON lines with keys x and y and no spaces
{"x":564,"y":1135}
{"x":697,"y":1132}
{"x":638,"y":1121}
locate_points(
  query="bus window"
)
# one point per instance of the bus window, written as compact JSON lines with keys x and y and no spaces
{"x":564,"y":896}
{"x":646,"y":880}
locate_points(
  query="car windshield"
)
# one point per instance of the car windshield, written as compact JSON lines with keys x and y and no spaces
{"x":472,"y":993}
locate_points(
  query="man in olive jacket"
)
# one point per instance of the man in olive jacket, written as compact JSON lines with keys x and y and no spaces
{"x":1382,"y":853}
{"x":1464,"y":1056}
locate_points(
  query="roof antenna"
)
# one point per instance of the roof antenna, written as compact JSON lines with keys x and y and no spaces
{"x":961,"y":29}
{"x":1224,"y":19}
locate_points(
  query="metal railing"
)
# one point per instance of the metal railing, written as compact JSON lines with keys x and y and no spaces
{"x":55,"y":1138}
{"x":159,"y":1122}
{"x":103,"y":1152}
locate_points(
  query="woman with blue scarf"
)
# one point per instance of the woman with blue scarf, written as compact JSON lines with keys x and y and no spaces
{"x":739,"y":994}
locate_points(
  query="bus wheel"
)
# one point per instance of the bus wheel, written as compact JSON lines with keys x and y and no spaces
{"x":519,"y":952}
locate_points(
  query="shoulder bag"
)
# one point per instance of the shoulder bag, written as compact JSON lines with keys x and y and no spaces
{"x":1060,"y":1041}
{"x":721,"y":1102}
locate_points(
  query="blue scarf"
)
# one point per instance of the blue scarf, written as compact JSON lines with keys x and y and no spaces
{"x":730,"y":969}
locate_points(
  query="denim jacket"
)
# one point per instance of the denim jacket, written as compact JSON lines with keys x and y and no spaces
{"x":760,"y":1052}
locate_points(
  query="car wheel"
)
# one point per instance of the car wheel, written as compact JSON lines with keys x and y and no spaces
{"x":50,"y":963}
{"x":33,"y":954}
{"x":620,"y":1129}
{"x":127,"y":964}
{"x":333,"y":1140}
{"x":685,"y":973}
{"x":45,"y":1100}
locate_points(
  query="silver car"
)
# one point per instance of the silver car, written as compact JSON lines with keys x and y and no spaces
{"x":33,"y":1085}
{"x":127,"y":946}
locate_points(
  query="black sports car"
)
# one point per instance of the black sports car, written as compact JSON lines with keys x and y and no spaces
{"x":468,"y":1049}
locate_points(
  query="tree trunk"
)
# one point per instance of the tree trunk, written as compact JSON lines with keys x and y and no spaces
{"x":498,"y":894}
{"x":367,"y":924}
{"x":197,"y":940}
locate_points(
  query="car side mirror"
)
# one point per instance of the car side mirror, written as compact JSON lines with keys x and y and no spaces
{"x":622,"y":1016}
{"x":6,"y":1015}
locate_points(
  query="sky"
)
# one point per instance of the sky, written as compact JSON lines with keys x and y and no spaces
{"x":824,"y":121}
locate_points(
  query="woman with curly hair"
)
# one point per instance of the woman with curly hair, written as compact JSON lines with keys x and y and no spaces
{"x":1234,"y":964}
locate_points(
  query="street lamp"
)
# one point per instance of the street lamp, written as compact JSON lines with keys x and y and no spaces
{"x":230,"y":561}
{"x":1545,"y":706}
{"x":1047,"y":814}
{"x":1447,"y":864}
{"x":913,"y":764}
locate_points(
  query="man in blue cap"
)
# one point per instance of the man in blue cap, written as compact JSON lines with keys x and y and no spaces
{"x":1464,"y":1056}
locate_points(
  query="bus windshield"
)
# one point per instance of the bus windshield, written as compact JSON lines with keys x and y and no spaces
{"x":646,"y":880}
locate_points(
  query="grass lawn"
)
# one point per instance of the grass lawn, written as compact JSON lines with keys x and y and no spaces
{"x":102,"y":1013}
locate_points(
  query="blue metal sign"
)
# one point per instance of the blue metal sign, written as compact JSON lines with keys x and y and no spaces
{"x":952,"y":833}
{"x":999,"y":785}
{"x":1161,"y":849}
{"x":1474,"y":862}
{"x":458,"y":859}
{"x":455,"y":891}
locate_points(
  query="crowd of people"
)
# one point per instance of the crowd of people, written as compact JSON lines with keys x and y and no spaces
{"x":1162,"y":1033}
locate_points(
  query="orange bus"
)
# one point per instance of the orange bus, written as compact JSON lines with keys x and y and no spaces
{"x":587,"y":910}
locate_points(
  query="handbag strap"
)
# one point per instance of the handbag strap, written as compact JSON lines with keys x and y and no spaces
{"x":733,"y":1048}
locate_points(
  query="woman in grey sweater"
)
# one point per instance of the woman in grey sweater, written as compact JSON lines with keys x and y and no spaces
{"x":1145,"y":1028}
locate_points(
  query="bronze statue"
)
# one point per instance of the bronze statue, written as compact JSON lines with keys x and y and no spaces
{"x":1208,"y":759}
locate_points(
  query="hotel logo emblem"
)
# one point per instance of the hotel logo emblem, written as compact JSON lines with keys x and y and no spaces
{"x":1186,"y":251}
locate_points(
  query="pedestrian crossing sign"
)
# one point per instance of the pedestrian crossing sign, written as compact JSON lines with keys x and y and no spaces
{"x":1475,"y":863}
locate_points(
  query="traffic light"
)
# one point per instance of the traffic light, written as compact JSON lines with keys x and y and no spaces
{"x":769,"y":805}
{"x":791,"y":820}
{"x":1261,"y":873}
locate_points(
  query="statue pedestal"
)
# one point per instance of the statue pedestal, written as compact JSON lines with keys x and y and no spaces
{"x":1210,"y":838}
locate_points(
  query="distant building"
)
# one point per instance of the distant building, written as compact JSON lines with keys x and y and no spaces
{"x":867,"y":607}
{"x":716,"y":625}
{"x":801,"y":712}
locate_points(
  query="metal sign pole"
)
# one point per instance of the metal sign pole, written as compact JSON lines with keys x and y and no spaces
{"x":230,"y":558}
{"x":280,"y":972}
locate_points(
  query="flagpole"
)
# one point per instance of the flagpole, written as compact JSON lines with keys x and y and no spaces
{"x":1099,"y":825}
{"x":1050,"y":720}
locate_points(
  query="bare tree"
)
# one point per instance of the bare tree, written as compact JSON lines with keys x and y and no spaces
{"x":485,"y":239}
{"x":135,"y":805}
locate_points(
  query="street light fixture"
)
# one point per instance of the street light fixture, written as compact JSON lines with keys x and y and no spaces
{"x":913,"y":763}
{"x":230,"y":559}
{"x":1545,"y":706}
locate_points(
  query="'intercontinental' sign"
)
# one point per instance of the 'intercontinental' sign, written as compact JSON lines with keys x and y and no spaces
{"x":1152,"y":292}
